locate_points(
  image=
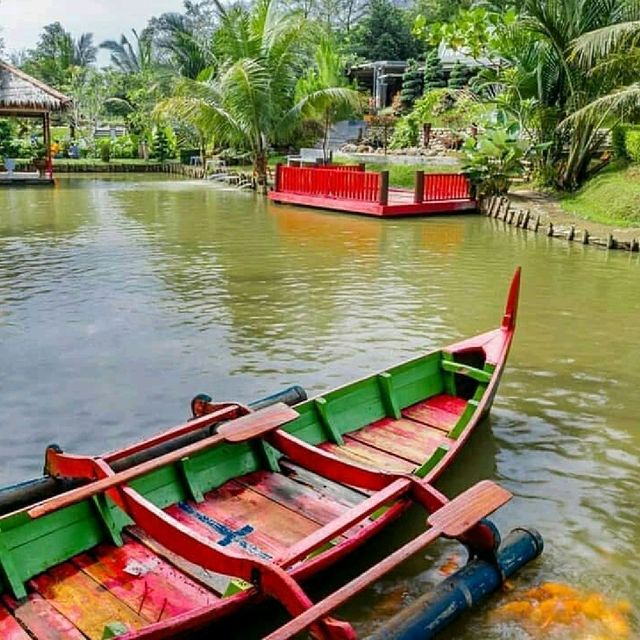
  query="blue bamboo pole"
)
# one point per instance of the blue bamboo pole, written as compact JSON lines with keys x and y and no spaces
{"x":461,"y":591}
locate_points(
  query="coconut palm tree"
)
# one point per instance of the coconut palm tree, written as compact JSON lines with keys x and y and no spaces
{"x":176,"y":37}
{"x":324,"y":94}
{"x":543,"y":72}
{"x":612,"y":51}
{"x":248,"y":99}
{"x":131,"y":56}
{"x":85,"y":51}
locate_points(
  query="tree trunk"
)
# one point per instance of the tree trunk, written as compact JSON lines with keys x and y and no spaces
{"x":260,"y":170}
{"x":325,"y":139}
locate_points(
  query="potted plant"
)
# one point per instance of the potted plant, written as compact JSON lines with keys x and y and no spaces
{"x":40,"y":158}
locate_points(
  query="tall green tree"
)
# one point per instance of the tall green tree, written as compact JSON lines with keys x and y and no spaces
{"x":131,"y":55}
{"x":412,"y":85}
{"x":384,"y":33}
{"x":539,"y":80}
{"x":324,"y":93}
{"x":433,"y":72}
{"x":248,"y":100}
{"x":57,"y":53}
{"x":180,"y":43}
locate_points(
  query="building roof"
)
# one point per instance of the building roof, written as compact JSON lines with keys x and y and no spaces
{"x":22,"y":94}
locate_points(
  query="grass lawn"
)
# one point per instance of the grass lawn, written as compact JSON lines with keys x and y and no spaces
{"x":402,"y":175}
{"x":611,"y":197}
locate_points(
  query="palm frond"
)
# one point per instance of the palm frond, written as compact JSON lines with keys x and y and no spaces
{"x":600,"y":43}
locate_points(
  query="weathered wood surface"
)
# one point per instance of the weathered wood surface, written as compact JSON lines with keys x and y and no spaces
{"x":270,"y":520}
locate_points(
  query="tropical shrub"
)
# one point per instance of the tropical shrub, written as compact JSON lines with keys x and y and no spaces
{"x":454,"y":109}
{"x":494,"y":159}
{"x":6,"y":134}
{"x":105,"y":150}
{"x":406,"y":133}
{"x":619,"y":143}
{"x":632,"y":144}
{"x":125,"y":147}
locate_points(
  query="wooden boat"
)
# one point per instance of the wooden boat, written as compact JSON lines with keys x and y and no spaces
{"x":264,"y":500}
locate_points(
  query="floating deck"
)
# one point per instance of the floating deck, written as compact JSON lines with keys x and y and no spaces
{"x":351,"y":189}
{"x":24,"y":179}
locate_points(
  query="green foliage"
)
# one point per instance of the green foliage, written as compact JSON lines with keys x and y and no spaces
{"x":611,"y":197}
{"x":406,"y":133}
{"x":105,"y":150}
{"x":434,"y":11}
{"x":57,"y":54}
{"x":554,"y":74}
{"x":456,"y":110}
{"x":494,"y":158}
{"x":459,"y":77}
{"x":6,"y":135}
{"x":476,"y":30}
{"x":433,"y":73}
{"x":249,"y":100}
{"x":163,"y":144}
{"x":384,"y":33}
{"x":324,"y":95}
{"x":125,"y":147}
{"x":412,"y":81}
{"x":619,"y":143}
{"x":632,"y":144}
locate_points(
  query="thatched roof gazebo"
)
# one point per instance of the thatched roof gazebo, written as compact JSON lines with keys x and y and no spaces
{"x":23,"y":96}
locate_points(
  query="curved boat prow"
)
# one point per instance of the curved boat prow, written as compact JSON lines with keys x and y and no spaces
{"x":511,"y":310}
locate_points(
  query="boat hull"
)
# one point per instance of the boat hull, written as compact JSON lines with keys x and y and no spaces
{"x":255,"y":505}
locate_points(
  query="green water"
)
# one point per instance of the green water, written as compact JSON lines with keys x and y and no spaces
{"x":121,"y":298}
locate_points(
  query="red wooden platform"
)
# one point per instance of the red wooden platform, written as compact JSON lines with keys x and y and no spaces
{"x":353,"y":190}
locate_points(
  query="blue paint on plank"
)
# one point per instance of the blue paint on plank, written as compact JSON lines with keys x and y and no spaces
{"x":229,"y":536}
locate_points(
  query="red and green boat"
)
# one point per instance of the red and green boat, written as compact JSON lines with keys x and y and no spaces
{"x":178,"y":531}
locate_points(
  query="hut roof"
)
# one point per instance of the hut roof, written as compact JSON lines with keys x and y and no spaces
{"x":19,"y":92}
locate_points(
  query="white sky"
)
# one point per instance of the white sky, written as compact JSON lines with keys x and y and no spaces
{"x":21,"y":21}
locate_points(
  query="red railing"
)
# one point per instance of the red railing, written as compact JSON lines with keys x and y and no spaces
{"x":446,"y":186}
{"x":352,"y":184}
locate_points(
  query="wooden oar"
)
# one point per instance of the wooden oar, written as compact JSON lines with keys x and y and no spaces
{"x":248,"y":427}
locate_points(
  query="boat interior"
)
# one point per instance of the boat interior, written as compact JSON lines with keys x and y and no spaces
{"x":83,"y":566}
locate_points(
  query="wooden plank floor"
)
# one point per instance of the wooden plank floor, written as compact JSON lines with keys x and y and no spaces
{"x":402,"y":445}
{"x":261,"y":514}
{"x":441,"y":412}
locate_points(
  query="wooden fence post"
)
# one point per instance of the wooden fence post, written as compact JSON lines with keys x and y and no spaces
{"x":418,"y":192}
{"x":276,"y":180}
{"x":383,"y":194}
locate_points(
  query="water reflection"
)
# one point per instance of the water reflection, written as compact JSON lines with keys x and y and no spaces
{"x":120,"y":298}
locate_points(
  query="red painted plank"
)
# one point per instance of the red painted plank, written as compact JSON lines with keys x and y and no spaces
{"x":84,"y":602}
{"x":245,"y":520}
{"x":10,"y":628}
{"x":355,"y":451}
{"x":332,"y":490}
{"x":300,"y":498}
{"x":41,"y":620}
{"x":441,"y":411}
{"x":143,"y":581}
{"x":408,"y":439}
{"x":214,"y":582}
